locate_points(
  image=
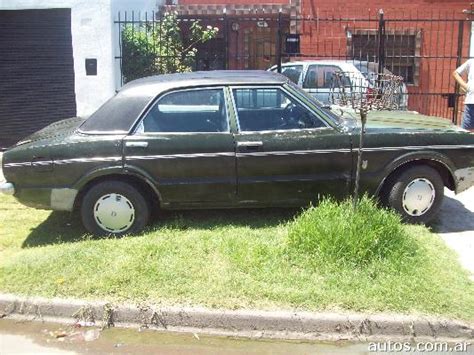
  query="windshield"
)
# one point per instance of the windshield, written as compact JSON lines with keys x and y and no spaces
{"x":315,"y":103}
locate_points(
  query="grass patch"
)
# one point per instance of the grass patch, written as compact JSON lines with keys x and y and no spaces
{"x":236,"y":259}
{"x":334,"y":233}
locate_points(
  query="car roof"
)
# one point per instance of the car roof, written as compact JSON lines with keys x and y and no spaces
{"x":203,"y":78}
{"x":121,"y":111}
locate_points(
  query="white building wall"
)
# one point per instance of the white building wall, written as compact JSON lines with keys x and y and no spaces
{"x":93,"y":36}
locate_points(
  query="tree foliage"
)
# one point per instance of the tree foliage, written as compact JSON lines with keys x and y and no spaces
{"x":160,"y":47}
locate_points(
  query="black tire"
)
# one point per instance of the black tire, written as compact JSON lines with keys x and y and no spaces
{"x":136,"y":202}
{"x":396,"y":189}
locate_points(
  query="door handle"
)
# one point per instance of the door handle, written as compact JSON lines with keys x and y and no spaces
{"x":136,"y":144}
{"x":250,"y":145}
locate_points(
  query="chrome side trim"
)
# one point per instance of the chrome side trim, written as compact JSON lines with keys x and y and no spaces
{"x":232,"y":154}
{"x":64,"y":161}
{"x":87,"y":160}
{"x":293,"y":152}
{"x":173,"y":156}
{"x":15,"y":165}
{"x":420,"y":147}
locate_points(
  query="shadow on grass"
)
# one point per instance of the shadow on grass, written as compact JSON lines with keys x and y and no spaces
{"x":64,"y":227}
{"x":59,"y":227}
{"x":211,"y":219}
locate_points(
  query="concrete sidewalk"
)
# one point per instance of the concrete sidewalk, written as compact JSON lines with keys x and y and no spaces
{"x":455,"y":225}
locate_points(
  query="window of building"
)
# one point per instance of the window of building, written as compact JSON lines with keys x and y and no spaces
{"x":402,"y":51}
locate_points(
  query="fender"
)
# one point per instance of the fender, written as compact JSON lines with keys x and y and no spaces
{"x":118,"y":170}
{"x":414,"y":156}
{"x":95,"y":173}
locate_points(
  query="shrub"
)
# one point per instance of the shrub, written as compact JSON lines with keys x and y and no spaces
{"x":334,"y":233}
{"x":164,"y":46}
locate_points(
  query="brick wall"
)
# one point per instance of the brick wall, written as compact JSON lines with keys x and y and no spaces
{"x":325,"y":34}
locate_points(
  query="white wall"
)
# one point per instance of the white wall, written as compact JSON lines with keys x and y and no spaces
{"x":135,"y":5}
{"x":91,"y":27}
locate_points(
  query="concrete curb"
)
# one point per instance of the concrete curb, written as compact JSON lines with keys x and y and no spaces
{"x":245,"y":323}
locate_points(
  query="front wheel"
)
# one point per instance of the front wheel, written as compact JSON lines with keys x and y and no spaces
{"x":114,"y":208}
{"x":417,"y":194}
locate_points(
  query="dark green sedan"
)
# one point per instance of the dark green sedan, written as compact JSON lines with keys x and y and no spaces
{"x":229,"y":139}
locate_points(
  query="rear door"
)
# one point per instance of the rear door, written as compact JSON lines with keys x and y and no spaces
{"x":286,"y":153}
{"x":184,"y":145}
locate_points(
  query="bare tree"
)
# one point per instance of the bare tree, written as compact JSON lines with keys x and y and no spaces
{"x":362,"y":95}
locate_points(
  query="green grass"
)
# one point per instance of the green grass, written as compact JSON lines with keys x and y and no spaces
{"x":233,"y":259}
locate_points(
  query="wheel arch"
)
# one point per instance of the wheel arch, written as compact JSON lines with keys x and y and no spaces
{"x":138,"y":180}
{"x":436,"y":161}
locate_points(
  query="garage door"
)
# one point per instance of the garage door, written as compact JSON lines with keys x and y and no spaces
{"x":36,"y":71}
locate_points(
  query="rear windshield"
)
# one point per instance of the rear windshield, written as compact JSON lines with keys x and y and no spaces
{"x":118,"y":114}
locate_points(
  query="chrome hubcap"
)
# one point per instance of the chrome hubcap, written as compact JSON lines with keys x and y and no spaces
{"x":114,"y":213}
{"x":418,"y":197}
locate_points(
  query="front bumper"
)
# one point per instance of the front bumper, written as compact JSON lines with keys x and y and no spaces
{"x":7,"y":188}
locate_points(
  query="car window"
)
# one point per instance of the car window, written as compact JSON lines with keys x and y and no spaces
{"x":292,"y":72}
{"x":321,"y":76}
{"x":370,"y":71}
{"x":187,"y":111}
{"x":268,"y":109}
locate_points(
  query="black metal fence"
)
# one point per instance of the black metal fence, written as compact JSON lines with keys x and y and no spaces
{"x":424,"y":50}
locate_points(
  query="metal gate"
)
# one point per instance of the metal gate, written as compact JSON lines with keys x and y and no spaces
{"x":423,"y":50}
{"x":37,"y":71}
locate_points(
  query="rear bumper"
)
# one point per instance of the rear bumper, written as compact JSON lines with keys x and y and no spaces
{"x":43,"y":198}
{"x":7,"y":188}
{"x":464,"y":179}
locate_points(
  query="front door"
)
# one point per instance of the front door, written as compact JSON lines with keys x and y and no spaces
{"x":286,"y":153}
{"x":184,"y":144}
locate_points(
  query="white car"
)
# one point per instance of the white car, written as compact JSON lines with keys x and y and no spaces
{"x":317,"y":77}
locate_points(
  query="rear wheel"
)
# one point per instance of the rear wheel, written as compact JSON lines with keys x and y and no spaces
{"x":416,"y":193}
{"x":114,"y":208}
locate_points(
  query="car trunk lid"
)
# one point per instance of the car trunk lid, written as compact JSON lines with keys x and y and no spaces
{"x":57,"y":129}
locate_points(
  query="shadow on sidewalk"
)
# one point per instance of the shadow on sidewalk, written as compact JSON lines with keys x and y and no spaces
{"x":453,"y":217}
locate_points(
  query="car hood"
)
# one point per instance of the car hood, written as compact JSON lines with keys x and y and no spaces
{"x":401,"y":120}
{"x":55,"y":130}
{"x":407,"y":120}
